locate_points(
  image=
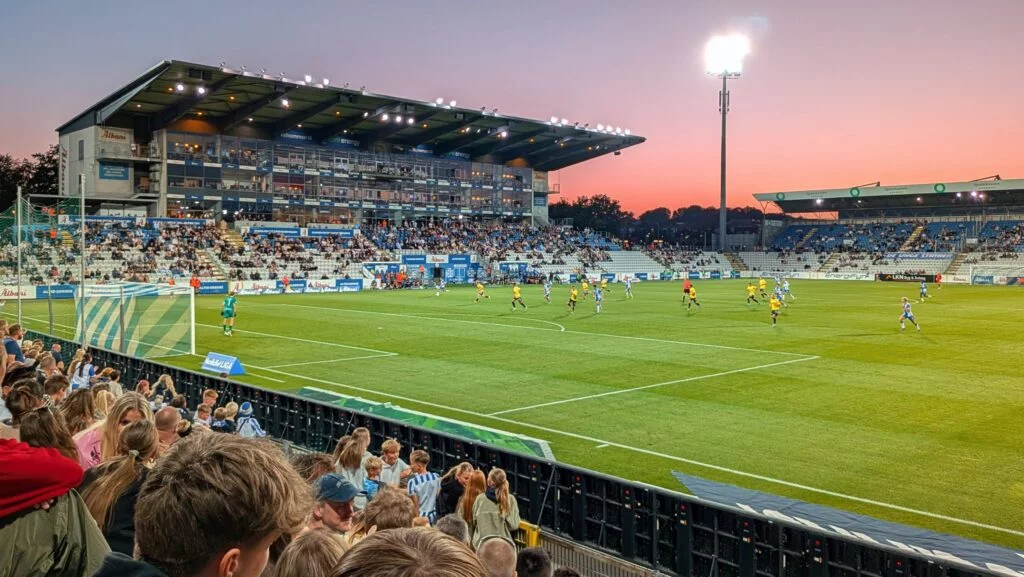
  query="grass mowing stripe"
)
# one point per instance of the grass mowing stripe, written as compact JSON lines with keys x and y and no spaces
{"x":286,"y":337}
{"x":655,"y":385}
{"x":332,"y":361}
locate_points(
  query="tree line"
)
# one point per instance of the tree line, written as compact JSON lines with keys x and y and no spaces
{"x":686,"y":226}
{"x":36,"y":175}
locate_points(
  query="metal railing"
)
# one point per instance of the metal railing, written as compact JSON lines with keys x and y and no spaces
{"x":666,"y":531}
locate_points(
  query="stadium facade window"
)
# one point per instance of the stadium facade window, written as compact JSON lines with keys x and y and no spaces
{"x":81,"y":150}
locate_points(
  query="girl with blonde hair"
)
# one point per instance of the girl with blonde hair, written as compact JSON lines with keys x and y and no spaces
{"x":79,"y":411}
{"x":453,"y":485}
{"x":351,"y":463}
{"x":111,"y":489}
{"x":100,"y":442}
{"x":496,"y":512}
{"x":104,"y":399}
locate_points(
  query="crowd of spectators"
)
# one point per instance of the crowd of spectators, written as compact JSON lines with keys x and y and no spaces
{"x":273,"y":256}
{"x":99,"y":480}
{"x":673,"y":257}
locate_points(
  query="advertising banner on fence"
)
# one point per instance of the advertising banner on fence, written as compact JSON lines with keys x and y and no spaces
{"x":642,"y":275}
{"x":257,"y":287}
{"x":213,"y":287}
{"x":218,"y":363}
{"x":414,"y":259}
{"x":848,"y":276}
{"x":57,"y":291}
{"x":958,"y":279}
{"x":459,"y":259}
{"x":918,"y":255}
{"x":297,"y":285}
{"x":321,"y":286}
{"x":896,"y":277}
{"x":350,"y":285}
{"x":338,"y":232}
{"x":11,"y":292}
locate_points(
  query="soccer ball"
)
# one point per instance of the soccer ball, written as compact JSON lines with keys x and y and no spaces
{"x":437,"y":293}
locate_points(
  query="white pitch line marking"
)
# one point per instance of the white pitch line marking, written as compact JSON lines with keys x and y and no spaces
{"x":435,"y":315}
{"x":601,"y":446}
{"x":693,"y":462}
{"x":655,"y":385}
{"x":263,"y":377}
{"x":339,"y":345}
{"x":589,"y":334}
{"x":332,"y":361}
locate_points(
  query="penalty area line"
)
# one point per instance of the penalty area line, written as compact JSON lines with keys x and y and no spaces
{"x":594,"y":440}
{"x":332,"y":361}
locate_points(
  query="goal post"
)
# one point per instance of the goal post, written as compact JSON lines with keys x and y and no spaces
{"x":137,"y":319}
{"x":1001,"y":274}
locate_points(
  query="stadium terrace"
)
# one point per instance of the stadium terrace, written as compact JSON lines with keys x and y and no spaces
{"x":186,"y":137}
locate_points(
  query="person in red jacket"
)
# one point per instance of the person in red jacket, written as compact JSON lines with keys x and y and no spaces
{"x":938,"y":280}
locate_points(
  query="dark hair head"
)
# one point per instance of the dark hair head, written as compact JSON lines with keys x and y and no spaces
{"x":533,"y":562}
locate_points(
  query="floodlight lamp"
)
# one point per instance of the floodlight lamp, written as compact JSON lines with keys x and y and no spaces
{"x":723,"y":55}
{"x":201,"y":90}
{"x":410,"y":121}
{"x":327,"y":81}
{"x":384,"y":118}
{"x":974,"y":193}
{"x":307,"y":78}
{"x":398,"y":119}
{"x":564,"y":121}
{"x":819,"y":201}
{"x":554,"y":120}
{"x":439,"y":101}
{"x":627,"y":132}
{"x":180,"y":87}
{"x":452,"y":104}
{"x":285,"y":103}
{"x":600,"y":128}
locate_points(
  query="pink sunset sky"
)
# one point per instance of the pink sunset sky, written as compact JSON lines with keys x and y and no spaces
{"x":835,"y":94}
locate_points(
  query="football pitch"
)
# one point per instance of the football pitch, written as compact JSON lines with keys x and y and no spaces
{"x":834,"y":405}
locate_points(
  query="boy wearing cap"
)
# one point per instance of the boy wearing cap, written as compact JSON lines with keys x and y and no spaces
{"x":248,"y":426}
{"x":333,"y":509}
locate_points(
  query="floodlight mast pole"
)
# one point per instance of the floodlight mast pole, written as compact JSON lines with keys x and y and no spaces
{"x":723,"y":107}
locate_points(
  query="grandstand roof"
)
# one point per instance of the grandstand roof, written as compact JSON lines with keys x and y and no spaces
{"x":232,"y":97}
{"x":930,"y":195}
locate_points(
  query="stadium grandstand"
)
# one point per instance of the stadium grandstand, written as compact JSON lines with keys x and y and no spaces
{"x":966,"y":231}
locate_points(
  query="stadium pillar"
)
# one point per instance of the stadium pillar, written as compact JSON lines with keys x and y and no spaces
{"x":81,"y":257}
{"x":723,"y":107}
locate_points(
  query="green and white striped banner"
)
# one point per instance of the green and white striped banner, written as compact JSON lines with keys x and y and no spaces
{"x":157,"y":321}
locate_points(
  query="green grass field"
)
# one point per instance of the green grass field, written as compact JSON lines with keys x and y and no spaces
{"x":833,"y":406}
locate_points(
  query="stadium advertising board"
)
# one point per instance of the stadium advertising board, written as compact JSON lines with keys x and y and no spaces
{"x":218,"y":363}
{"x":11,"y":292}
{"x":436,"y":258}
{"x":321,"y":286}
{"x":283,"y":231}
{"x":213,"y":287}
{"x":918,"y":255}
{"x":459,"y":259}
{"x":257,"y":287}
{"x":640,"y":276}
{"x":896,"y":277}
{"x":415,"y":259}
{"x":847,"y":276}
{"x":325,"y":232}
{"x":349,"y":285}
{"x":297,"y":285}
{"x":113,"y":171}
{"x":57,"y":291}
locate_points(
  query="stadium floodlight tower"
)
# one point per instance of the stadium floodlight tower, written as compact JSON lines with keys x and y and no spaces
{"x":723,"y":57}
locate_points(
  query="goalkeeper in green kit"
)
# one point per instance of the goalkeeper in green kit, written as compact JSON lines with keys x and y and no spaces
{"x":228,"y":312}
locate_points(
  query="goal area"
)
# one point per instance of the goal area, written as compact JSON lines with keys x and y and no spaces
{"x":137,"y":319}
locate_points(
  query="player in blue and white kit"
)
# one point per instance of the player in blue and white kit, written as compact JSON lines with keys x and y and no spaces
{"x":547,"y":290}
{"x":629,"y":287}
{"x":785,"y":289}
{"x":924,"y":291}
{"x":598,"y":297}
{"x":440,"y":287}
{"x":908,"y":315}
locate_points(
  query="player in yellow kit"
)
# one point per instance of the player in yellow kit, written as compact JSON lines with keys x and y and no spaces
{"x":517,"y":297}
{"x":751,"y":289}
{"x":693,"y":298}
{"x":586,"y":288}
{"x":480,"y":292}
{"x":604,"y":285}
{"x":573,"y":296}
{"x":762,"y":285}
{"x":775,"y":304}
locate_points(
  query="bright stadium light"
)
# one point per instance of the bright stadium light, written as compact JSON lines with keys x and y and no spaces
{"x":564,"y":121}
{"x":819,"y":201}
{"x":398,"y":119}
{"x":307,"y":78}
{"x":285,"y":103}
{"x":439,"y":101}
{"x":327,"y":81}
{"x":600,"y":128}
{"x":723,"y":55}
{"x":452,"y":104}
{"x":554,"y":120}
{"x":627,"y":132}
{"x":410,"y":121}
{"x":201,"y":90}
{"x":180,"y":87}
{"x":384,"y":118}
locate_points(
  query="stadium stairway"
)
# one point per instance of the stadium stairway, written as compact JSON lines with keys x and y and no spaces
{"x":909,"y":243}
{"x":736,"y":262}
{"x":828,"y":264}
{"x":956,"y":264}
{"x":208,"y":257}
{"x":232,"y":238}
{"x":806,"y":237}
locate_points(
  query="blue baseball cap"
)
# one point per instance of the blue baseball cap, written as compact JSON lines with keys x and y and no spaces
{"x":334,"y":487}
